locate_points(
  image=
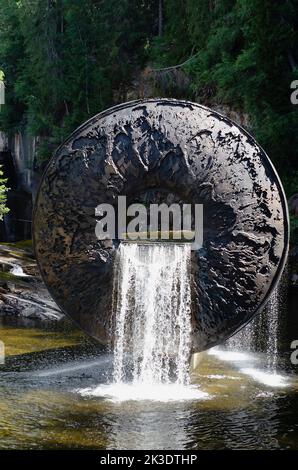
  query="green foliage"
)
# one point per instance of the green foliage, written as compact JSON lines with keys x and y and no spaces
{"x":67,"y":60}
{"x":243,"y":54}
{"x":3,"y":195}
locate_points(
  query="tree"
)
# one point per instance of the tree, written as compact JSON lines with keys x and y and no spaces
{"x":65,"y":61}
{"x":241,"y":53}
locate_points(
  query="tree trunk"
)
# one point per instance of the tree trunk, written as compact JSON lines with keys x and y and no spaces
{"x":160,"y":19}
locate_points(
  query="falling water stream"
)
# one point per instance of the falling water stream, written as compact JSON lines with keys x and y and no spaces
{"x":273,"y":325}
{"x":152,"y":323}
{"x":153,"y":317}
{"x":261,"y":335}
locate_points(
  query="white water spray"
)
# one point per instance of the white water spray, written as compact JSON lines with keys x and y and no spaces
{"x":152,"y":325}
{"x":262,"y":334}
{"x":263,"y":330}
{"x":153,"y":314}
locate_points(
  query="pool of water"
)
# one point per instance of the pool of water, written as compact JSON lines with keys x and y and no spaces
{"x":55,"y":393}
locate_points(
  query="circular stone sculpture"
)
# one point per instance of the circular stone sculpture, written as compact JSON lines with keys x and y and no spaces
{"x":164,"y":149}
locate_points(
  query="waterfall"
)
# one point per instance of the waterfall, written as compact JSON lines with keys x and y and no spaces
{"x":152,"y":326}
{"x":262,"y":333}
{"x":244,"y":339}
{"x":272,"y":318}
{"x":17,"y":270}
{"x":275,"y":309}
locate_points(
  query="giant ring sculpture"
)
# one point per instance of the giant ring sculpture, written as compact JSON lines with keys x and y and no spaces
{"x":160,"y":150}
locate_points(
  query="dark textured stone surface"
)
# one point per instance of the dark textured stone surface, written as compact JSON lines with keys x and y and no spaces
{"x":163,"y":147}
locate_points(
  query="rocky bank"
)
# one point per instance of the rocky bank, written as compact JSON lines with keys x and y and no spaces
{"x":22,"y":292}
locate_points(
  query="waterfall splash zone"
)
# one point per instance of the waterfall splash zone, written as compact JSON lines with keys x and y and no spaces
{"x":241,"y":347}
{"x":152,"y":324}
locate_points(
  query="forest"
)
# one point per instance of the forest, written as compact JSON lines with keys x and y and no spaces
{"x":63,"y":61}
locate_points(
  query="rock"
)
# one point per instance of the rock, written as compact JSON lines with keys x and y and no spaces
{"x":24,"y":295}
{"x":3,"y":290}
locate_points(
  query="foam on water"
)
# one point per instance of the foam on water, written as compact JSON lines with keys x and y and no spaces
{"x":17,"y":270}
{"x":231,"y":356}
{"x":266,"y":378}
{"x":119,"y":392}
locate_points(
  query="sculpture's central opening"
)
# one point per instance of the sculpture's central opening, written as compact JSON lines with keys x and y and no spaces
{"x":152,"y":321}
